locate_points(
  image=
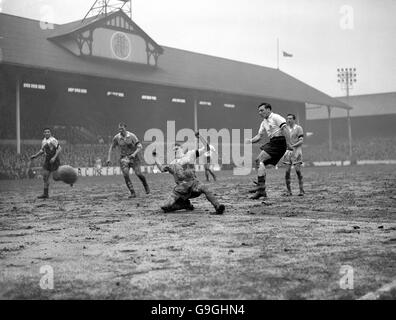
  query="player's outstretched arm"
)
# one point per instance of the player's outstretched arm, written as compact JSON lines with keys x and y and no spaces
{"x":205,"y":143}
{"x":200,"y":152}
{"x":37,"y":154}
{"x":160,"y":166}
{"x":255,"y":139}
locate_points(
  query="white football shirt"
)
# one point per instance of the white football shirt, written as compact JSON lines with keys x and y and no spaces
{"x":272,"y":125}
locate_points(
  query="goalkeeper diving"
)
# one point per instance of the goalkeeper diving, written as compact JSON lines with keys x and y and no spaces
{"x":187,"y":184}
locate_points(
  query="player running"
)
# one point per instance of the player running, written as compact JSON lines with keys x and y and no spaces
{"x":187,"y":184}
{"x":273,"y":151}
{"x":294,"y":157}
{"x":51,"y":149}
{"x":130,"y":148}
{"x":208,"y":155}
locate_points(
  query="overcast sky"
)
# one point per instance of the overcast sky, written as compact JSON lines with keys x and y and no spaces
{"x":322,"y":35}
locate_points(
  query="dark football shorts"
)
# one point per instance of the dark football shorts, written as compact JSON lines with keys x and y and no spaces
{"x":51,"y":167}
{"x":276,"y":148}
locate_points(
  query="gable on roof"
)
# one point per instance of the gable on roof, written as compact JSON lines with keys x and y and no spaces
{"x":114,"y":36}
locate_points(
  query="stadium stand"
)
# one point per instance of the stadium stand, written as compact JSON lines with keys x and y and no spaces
{"x":14,"y":166}
{"x":362,"y":149}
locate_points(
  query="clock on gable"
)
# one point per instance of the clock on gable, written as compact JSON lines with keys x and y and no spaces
{"x":120,"y":45}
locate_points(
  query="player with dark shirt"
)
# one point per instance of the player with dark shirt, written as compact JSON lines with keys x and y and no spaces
{"x":130,"y":148}
{"x":50,"y":148}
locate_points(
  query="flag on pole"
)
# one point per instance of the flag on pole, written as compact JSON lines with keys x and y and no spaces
{"x":288,"y":55}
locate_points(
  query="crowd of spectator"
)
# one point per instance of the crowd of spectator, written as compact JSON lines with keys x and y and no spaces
{"x":19,"y":166}
{"x":362,"y":149}
{"x":16,"y":166}
{"x":13,"y":165}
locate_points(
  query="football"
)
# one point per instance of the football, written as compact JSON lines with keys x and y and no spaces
{"x":67,"y":174}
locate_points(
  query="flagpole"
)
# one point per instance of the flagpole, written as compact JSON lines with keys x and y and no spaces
{"x":277,"y":52}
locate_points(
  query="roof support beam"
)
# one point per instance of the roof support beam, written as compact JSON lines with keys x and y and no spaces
{"x":18,"y":114}
{"x":349,"y":135}
{"x":196,"y":116}
{"x":330,"y":130}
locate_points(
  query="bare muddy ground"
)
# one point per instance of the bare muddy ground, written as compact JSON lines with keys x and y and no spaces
{"x":102,"y":245}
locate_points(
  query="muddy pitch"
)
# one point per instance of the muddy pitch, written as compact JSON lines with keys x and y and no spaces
{"x":102,"y":245}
